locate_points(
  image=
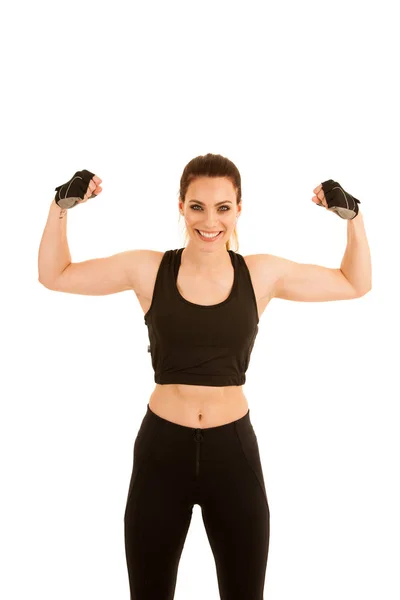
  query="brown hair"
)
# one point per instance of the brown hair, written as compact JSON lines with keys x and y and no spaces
{"x":212,"y":165}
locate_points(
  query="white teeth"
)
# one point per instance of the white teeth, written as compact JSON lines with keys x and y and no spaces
{"x":210,"y":235}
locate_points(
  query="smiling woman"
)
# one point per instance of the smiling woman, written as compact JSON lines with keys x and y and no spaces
{"x":210,"y":222}
{"x":210,"y":198}
{"x":202,"y":305}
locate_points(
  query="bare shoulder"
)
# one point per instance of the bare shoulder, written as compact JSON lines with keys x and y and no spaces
{"x":143,"y":267}
{"x":265,"y":272}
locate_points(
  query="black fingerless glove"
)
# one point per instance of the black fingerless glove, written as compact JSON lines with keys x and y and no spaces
{"x":68,"y":194}
{"x":342,"y":203}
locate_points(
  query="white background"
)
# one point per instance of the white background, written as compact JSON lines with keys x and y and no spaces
{"x":293,"y":93}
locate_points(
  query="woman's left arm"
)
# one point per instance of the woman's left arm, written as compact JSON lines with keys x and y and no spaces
{"x":316,"y":283}
{"x":356,"y":263}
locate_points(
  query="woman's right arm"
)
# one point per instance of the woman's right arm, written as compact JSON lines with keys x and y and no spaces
{"x":54,"y":254}
{"x":95,"y":277}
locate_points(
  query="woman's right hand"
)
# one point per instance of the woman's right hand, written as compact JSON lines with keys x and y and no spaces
{"x":80,"y":188}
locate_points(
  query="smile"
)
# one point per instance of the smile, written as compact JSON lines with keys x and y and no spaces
{"x":206,"y":236}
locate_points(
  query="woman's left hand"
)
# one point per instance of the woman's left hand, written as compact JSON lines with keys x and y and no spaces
{"x":333,"y":197}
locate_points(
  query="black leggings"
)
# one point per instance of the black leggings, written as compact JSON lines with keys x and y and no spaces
{"x":218,"y":468}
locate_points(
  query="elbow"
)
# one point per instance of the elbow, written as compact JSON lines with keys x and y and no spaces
{"x":46,"y":284}
{"x":41,"y":282}
{"x":363,"y":292}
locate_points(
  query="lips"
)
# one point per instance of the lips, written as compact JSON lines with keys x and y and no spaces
{"x":207,"y":238}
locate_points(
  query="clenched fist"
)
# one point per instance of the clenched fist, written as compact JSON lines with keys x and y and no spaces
{"x":331,"y":195}
{"x":80,"y":188}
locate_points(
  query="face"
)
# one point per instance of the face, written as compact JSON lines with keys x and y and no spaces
{"x":210,"y":207}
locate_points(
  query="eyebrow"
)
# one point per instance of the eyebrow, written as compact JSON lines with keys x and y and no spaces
{"x":217,"y":204}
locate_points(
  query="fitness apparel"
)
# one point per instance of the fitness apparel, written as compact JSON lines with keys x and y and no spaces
{"x":68,"y":194}
{"x":201,"y":345}
{"x":340,"y":202}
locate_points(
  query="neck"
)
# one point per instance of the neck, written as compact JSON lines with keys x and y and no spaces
{"x":205,"y":260}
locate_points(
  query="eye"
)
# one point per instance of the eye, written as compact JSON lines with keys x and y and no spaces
{"x":224,"y":206}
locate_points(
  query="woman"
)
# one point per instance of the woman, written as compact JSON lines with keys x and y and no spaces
{"x":202,"y":305}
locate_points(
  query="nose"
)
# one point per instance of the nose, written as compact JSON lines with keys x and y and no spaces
{"x":210,"y":221}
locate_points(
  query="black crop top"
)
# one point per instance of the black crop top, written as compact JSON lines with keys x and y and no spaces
{"x":196,"y":344}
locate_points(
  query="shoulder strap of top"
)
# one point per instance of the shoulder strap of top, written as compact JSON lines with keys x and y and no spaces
{"x":243,"y":266}
{"x":165,"y":264}
{"x":244,"y":269}
{"x":162,"y":281}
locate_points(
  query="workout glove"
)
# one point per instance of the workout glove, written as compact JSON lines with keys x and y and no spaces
{"x":70,"y":193}
{"x":340,"y":202}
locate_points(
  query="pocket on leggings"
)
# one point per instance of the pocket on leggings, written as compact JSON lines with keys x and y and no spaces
{"x":249,"y":444}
